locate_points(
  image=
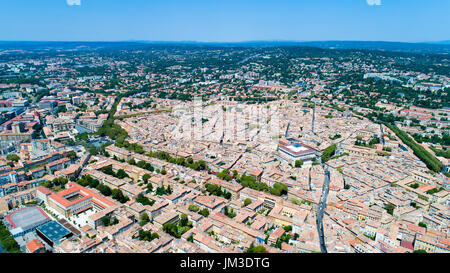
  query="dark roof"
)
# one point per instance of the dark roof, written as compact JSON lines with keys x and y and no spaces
{"x":54,"y":231}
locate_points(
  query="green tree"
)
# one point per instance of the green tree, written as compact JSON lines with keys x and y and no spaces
{"x":93,"y":151}
{"x":193,"y":208}
{"x":204,"y":212}
{"x":328,"y":153}
{"x":255,"y":249}
{"x":121,"y":174}
{"x":247,"y":202}
{"x":72,"y":155}
{"x":390,"y":208}
{"x":12,"y":157}
{"x":105,"y":190}
{"x":144,"y":219}
{"x":108,"y":170}
{"x":106,"y":220}
{"x":184,"y":220}
{"x":146,"y":177}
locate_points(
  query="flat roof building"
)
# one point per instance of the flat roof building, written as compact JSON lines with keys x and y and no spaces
{"x":291,"y":150}
{"x":53,"y":233}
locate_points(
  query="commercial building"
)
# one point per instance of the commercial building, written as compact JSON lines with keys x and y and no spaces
{"x":53,"y":233}
{"x":290,"y":150}
{"x":73,"y":200}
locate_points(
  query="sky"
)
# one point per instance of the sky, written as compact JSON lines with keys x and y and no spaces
{"x":225,"y":20}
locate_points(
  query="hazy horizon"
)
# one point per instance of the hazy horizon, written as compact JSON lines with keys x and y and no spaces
{"x":224,"y":42}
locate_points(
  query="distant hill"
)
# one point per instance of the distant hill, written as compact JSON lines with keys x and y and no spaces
{"x":432,"y":47}
{"x":388,"y":46}
{"x":441,"y":47}
{"x":447,"y":42}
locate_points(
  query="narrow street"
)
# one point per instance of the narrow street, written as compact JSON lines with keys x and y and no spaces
{"x":321,"y":210}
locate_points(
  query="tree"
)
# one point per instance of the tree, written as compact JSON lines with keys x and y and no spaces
{"x":163,"y":172}
{"x":298,"y":163}
{"x":171,"y":229}
{"x":184,"y":220}
{"x":144,"y":200}
{"x":247,"y":202}
{"x":108,"y":170}
{"x":141,"y":164}
{"x":144,"y":219}
{"x":147,"y":235}
{"x":278,"y":189}
{"x":13,"y":157}
{"x":287,"y":228}
{"x":106,"y":220}
{"x":93,"y":151}
{"x":193,"y":208}
{"x":149,"y":187}
{"x":9,"y":244}
{"x":204,"y":212}
{"x":421,"y":224}
{"x":145,"y":178}
{"x":105,"y":190}
{"x":119,"y":196}
{"x":121,"y":174}
{"x":94,"y":183}
{"x":256,"y":249}
{"x":328,"y":153}
{"x":390,"y":208}
{"x":72,"y":155}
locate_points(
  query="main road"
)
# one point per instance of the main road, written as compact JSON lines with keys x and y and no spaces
{"x":321,"y":210}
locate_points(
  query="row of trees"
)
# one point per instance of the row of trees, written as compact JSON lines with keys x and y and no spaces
{"x":121,"y":174}
{"x":116,"y":194}
{"x":435,"y":139}
{"x":430,"y":161}
{"x":55,"y":184}
{"x":142,"y":164}
{"x":7,"y":241}
{"x":328,"y":153}
{"x":217,"y":191}
{"x":87,"y":180}
{"x":186,"y":162}
{"x":443,"y":153}
{"x":277,"y":189}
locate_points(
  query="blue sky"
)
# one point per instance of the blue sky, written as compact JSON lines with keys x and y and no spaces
{"x":225,"y":20}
